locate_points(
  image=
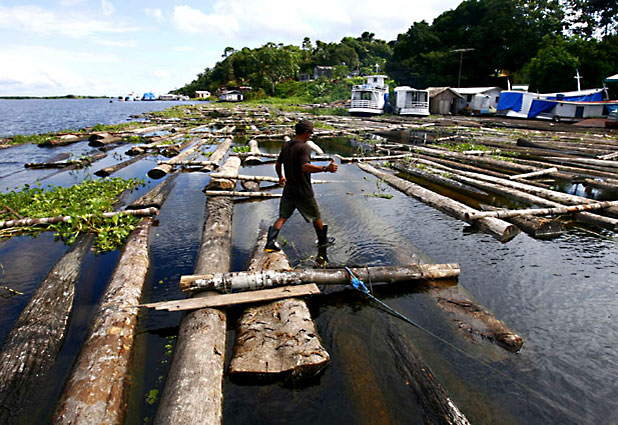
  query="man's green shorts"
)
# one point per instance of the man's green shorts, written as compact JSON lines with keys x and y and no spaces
{"x":307,"y":207}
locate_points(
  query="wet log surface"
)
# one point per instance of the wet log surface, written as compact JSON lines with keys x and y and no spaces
{"x":193,"y":389}
{"x":31,"y":347}
{"x":107,"y":171}
{"x":161,"y":170}
{"x":278,"y":337}
{"x":156,"y":196}
{"x":438,"y":408}
{"x":95,"y":392}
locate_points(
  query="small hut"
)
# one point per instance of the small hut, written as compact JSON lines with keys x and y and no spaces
{"x":443,"y":100}
{"x":479,"y":100}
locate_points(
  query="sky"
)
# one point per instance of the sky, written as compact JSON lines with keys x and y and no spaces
{"x":113,"y":47}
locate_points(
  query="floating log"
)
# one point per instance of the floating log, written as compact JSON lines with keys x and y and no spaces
{"x":101,"y":139}
{"x":96,"y":391}
{"x":245,"y":281}
{"x":230,"y":167}
{"x":534,"y":174}
{"x":33,"y":344}
{"x":218,"y":155}
{"x":64,"y":140}
{"x":537,"y":227}
{"x":193,"y":388}
{"x":279,"y":337}
{"x":542,"y":211}
{"x":156,"y":196}
{"x":371,"y":158}
{"x":497,"y":228}
{"x":244,"y":177}
{"x":437,"y":406}
{"x":232,"y":193}
{"x":82,"y":162}
{"x":24,"y":222}
{"x":162,"y":143}
{"x":253,"y":158}
{"x":152,"y":129}
{"x":108,"y":171}
{"x":608,"y":156}
{"x":437,"y":179}
{"x":163,"y":169}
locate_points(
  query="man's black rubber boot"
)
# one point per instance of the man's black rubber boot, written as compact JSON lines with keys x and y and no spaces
{"x":271,"y":243}
{"x":323,"y":239}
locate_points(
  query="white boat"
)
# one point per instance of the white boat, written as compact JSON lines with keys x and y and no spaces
{"x":566,"y":106}
{"x":409,"y":101}
{"x":370,"y":97}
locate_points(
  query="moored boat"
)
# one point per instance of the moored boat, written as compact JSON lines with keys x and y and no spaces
{"x":370,"y":97}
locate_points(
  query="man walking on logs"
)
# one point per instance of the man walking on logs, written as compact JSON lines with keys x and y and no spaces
{"x":298,"y":194}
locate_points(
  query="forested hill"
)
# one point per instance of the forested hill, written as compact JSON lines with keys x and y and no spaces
{"x":538,"y":42}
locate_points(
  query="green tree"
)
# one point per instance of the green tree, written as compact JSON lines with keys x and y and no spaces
{"x":553,"y":67}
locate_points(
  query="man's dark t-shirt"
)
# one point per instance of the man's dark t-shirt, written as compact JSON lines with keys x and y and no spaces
{"x":294,"y":155}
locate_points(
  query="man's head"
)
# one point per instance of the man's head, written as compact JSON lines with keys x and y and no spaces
{"x":304,"y":128}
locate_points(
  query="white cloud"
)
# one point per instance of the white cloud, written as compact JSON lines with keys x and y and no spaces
{"x":68,"y":3}
{"x":162,"y":73}
{"x":34,"y":19}
{"x":107,"y":7}
{"x":289,"y":22}
{"x":183,"y":49}
{"x":157,"y":14}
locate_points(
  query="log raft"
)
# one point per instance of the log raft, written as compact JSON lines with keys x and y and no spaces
{"x":278,"y":337}
{"x":33,"y":344}
{"x":497,"y":228}
{"x":163,"y":169}
{"x":193,"y":392}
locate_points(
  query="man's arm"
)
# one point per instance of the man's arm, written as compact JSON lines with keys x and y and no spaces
{"x":279,"y":174}
{"x":311,"y":168}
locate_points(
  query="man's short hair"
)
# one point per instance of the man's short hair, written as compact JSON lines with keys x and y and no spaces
{"x":302,"y":126}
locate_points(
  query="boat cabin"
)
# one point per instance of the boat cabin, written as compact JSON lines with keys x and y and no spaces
{"x":231,"y":96}
{"x":478,"y":100}
{"x":370,"y":97}
{"x":409,"y":101}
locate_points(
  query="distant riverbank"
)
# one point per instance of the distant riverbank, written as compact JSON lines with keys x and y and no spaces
{"x":36,"y":116}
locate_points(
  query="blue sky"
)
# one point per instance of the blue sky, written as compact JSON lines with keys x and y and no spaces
{"x":112,"y":47}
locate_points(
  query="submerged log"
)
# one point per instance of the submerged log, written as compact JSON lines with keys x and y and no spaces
{"x":497,"y":228}
{"x":247,"y":281}
{"x":24,"y":222}
{"x":156,"y":196}
{"x":95,"y":393}
{"x":31,"y":347}
{"x":64,"y":140}
{"x":279,"y":337}
{"x":193,"y":388}
{"x":107,"y":171}
{"x":101,"y":139}
{"x":77,"y":163}
{"x":438,"y":408}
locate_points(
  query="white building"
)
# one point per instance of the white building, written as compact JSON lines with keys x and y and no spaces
{"x":202,"y":94}
{"x":478,"y":100}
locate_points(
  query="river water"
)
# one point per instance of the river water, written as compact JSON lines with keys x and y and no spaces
{"x":36,"y":116}
{"x":559,"y":295}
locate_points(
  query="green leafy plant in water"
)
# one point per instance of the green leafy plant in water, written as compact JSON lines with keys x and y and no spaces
{"x":92,"y":197}
{"x":21,"y":139}
{"x":380,"y":191}
{"x":152,"y":397}
{"x":132,"y":139}
{"x":241,"y":149}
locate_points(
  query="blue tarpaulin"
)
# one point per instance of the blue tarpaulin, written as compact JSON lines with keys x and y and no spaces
{"x":539,"y":106}
{"x":510,"y":100}
{"x":594,"y":97}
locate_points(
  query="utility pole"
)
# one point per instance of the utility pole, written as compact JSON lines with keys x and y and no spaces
{"x":461,"y":52}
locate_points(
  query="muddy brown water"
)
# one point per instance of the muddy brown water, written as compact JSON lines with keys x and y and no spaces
{"x":561,"y":296}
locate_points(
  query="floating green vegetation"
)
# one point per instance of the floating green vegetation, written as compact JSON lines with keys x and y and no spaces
{"x":330,"y":111}
{"x":380,"y":191}
{"x":241,"y":149}
{"x":115,"y":127}
{"x":462,"y":147}
{"x":21,"y":139}
{"x":152,"y":397}
{"x":132,"y":139}
{"x":90,"y":197}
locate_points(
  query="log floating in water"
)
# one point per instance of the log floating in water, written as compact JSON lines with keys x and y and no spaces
{"x":372,"y":158}
{"x":101,"y":139}
{"x":534,"y":174}
{"x":82,"y":162}
{"x":438,"y":408}
{"x":107,"y":171}
{"x":254,"y":154}
{"x":34,"y":342}
{"x":541,"y":211}
{"x":163,"y":169}
{"x":63,"y":219}
{"x":279,"y":337}
{"x":156,"y":196}
{"x":193,"y":388}
{"x":218,"y":155}
{"x":499,"y":229}
{"x":95,"y":393}
{"x":232,"y":193}
{"x":64,"y":140}
{"x":537,"y":227}
{"x":243,"y":281}
{"x":229,"y":167}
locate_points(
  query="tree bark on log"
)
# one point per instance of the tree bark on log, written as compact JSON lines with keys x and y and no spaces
{"x":250,"y":281}
{"x":436,"y":178}
{"x":254,"y":156}
{"x":65,"y":140}
{"x":279,"y":337}
{"x":163,"y":169}
{"x":140,"y":149}
{"x":78,"y":163}
{"x":232,"y":193}
{"x":542,"y":211}
{"x":497,"y":228}
{"x":95,"y":393}
{"x":107,"y":171}
{"x":218,"y":155}
{"x":156,"y":196}
{"x":438,"y":408}
{"x":194,"y":385}
{"x":31,"y":347}
{"x":539,"y":228}
{"x":230,"y":167}
{"x":101,"y":139}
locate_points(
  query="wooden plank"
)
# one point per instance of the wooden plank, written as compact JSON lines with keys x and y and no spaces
{"x":221,"y":300}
